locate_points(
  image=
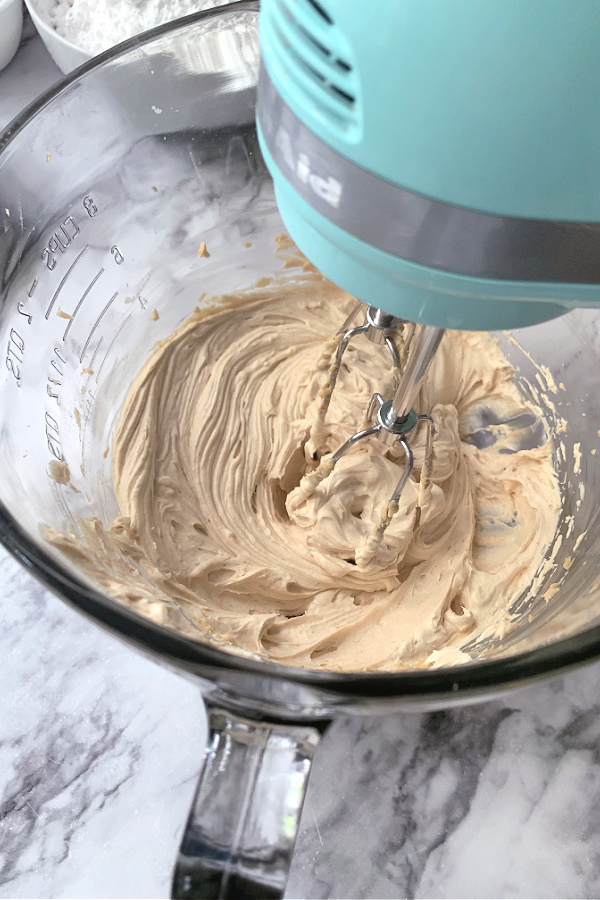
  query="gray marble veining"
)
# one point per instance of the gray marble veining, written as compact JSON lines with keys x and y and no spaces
{"x":497,"y":800}
{"x":99,"y":753}
{"x":100,"y":749}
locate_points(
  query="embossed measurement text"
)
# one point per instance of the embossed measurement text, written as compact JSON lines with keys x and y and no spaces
{"x":53,"y":437}
{"x":57,"y":362}
{"x":60,"y":241}
{"x":14,"y":354}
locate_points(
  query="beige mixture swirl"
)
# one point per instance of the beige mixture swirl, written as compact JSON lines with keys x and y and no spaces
{"x":211,"y":442}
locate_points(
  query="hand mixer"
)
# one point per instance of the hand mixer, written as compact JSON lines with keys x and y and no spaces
{"x":438,"y":159}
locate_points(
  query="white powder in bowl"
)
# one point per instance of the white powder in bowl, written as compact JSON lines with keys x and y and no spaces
{"x":96,"y":25}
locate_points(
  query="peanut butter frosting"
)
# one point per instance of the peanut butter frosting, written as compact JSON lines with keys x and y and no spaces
{"x":212,"y":443}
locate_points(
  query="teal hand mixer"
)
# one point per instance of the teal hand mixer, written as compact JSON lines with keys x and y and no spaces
{"x":440,"y":160}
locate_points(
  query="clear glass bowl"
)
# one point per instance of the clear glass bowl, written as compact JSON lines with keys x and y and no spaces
{"x":109,"y":183}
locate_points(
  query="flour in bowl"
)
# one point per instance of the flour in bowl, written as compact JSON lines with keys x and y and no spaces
{"x":96,"y":25}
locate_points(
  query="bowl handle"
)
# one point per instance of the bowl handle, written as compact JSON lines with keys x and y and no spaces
{"x":240,"y":835}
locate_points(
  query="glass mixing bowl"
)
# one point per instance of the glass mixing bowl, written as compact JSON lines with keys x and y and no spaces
{"x":108,"y":185}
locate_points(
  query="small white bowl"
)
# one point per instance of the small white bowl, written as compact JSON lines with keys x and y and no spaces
{"x":65,"y":54}
{"x":11,"y":26}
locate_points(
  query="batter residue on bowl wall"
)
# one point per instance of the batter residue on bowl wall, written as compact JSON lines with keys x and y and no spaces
{"x":210,"y":444}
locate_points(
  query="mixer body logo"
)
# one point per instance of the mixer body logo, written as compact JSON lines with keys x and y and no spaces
{"x":327,"y":188}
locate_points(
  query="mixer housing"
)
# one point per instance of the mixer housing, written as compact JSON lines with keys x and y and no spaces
{"x":439,"y":160}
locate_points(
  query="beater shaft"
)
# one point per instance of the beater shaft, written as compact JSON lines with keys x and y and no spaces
{"x":427,"y":342}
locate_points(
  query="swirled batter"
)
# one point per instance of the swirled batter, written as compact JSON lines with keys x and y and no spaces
{"x":211,"y":443}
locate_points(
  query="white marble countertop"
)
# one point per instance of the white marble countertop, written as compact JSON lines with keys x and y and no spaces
{"x":100,"y":748}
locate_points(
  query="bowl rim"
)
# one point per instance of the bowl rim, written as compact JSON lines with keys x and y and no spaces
{"x":184,"y":653}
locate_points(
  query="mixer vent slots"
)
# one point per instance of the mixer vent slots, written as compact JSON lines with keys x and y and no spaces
{"x":316,"y":60}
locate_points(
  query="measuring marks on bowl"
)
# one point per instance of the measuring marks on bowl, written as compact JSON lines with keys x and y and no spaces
{"x":81,"y":302}
{"x":63,"y":281}
{"x":80,"y":320}
{"x":95,"y":326}
{"x":52,"y":321}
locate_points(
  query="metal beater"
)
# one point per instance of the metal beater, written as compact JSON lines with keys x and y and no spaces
{"x":396,"y":419}
{"x":379,"y":328}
